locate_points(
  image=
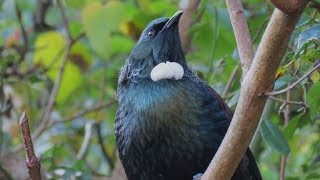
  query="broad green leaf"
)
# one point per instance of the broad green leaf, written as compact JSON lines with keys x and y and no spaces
{"x":100,"y":21}
{"x":308,"y":34}
{"x":121,"y":44}
{"x":272,"y":135}
{"x":291,"y":127}
{"x":75,"y":3}
{"x":50,"y":49}
{"x":313,"y":98}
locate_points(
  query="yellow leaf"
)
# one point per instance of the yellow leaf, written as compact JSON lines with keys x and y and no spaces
{"x":315,"y":77}
{"x":280,"y":72}
{"x":50,"y":49}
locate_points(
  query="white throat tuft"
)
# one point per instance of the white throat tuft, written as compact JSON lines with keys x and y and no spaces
{"x":167,"y":70}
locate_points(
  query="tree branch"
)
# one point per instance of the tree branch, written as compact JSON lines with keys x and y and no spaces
{"x":242,"y":35}
{"x":287,"y":117}
{"x":286,"y":102}
{"x":187,"y":21}
{"x":103,"y":150}
{"x":64,"y":19}
{"x":25,"y":45}
{"x":258,"y":79}
{"x":273,"y":93}
{"x":32,"y":162}
{"x":289,"y":6}
{"x":86,"y":140}
{"x":45,"y":118}
{"x":230,"y":81}
{"x":85,"y":111}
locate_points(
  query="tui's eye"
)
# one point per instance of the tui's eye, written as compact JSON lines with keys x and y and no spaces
{"x":151,"y":33}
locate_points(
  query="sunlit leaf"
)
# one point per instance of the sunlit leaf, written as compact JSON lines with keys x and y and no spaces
{"x":50,"y":49}
{"x":315,"y":77}
{"x":272,"y":135}
{"x":100,"y":21}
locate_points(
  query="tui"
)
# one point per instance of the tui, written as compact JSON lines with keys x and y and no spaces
{"x":169,"y":123}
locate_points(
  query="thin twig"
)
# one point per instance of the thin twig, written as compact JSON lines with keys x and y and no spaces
{"x":230,"y":81}
{"x":76,"y":39}
{"x":32,"y":162}
{"x":5,"y":173}
{"x":287,"y":117}
{"x":187,"y":22}
{"x":289,"y":102}
{"x":86,"y":140}
{"x":273,"y":93}
{"x":260,"y":30}
{"x":104,"y":152}
{"x":86,"y":111}
{"x":45,"y":118}
{"x":23,"y":32}
{"x":283,"y":167}
{"x":52,"y":97}
{"x":64,"y":19}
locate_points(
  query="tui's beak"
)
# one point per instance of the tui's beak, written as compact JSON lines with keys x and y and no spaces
{"x":172,"y":20}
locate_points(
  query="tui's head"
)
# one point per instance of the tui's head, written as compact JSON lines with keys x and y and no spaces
{"x":160,"y":42}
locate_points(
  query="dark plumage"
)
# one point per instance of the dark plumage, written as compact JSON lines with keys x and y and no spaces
{"x":169,"y":129}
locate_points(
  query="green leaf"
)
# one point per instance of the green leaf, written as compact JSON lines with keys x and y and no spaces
{"x":272,"y":135}
{"x":75,"y":3}
{"x":50,"y":49}
{"x":100,"y":21}
{"x":313,"y":99}
{"x":308,"y":34}
{"x":291,"y":127}
{"x":313,"y":176}
{"x":121,"y":44}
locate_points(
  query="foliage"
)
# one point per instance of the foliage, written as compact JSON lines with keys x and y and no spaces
{"x":31,"y":53}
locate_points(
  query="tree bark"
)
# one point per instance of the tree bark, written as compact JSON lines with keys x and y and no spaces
{"x":259,"y":78}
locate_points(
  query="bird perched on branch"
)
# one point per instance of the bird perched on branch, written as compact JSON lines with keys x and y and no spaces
{"x":169,"y":123}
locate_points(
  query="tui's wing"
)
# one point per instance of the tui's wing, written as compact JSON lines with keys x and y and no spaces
{"x":248,"y":168}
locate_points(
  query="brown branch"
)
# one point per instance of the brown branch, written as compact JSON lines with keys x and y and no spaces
{"x":86,"y":111}
{"x":86,"y":140}
{"x":23,"y":50}
{"x":273,"y":93}
{"x":287,"y":117}
{"x":4,"y":173}
{"x":289,"y":6}
{"x":32,"y":162}
{"x":250,"y":106}
{"x":186,"y":22}
{"x":42,"y":8}
{"x":286,"y":102}
{"x":283,"y":167}
{"x":45,"y":118}
{"x":64,"y":19}
{"x":242,"y":35}
{"x":108,"y":158}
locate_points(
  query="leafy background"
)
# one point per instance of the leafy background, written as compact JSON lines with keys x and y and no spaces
{"x":104,"y":32}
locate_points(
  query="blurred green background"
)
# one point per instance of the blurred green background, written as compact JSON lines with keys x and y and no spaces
{"x":76,"y":139}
